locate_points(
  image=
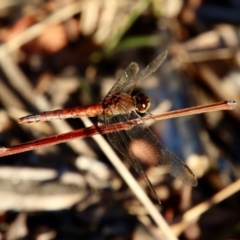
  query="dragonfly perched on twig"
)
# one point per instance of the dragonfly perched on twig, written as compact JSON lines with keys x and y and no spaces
{"x":119,"y":106}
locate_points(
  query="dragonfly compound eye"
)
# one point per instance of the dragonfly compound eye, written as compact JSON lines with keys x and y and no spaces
{"x":141,"y":102}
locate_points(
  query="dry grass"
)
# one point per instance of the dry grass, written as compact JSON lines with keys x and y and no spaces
{"x":66,"y":53}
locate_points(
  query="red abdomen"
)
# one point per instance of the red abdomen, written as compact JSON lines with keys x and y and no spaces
{"x":75,"y":112}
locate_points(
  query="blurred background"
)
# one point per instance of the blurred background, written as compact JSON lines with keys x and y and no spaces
{"x":66,"y":53}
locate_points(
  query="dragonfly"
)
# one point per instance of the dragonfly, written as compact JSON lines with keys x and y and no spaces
{"x":120,"y":106}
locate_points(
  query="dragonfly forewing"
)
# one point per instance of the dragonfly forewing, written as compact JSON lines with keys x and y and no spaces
{"x":151,"y":150}
{"x":131,"y":75}
{"x":129,"y":85}
{"x":126,"y":77}
{"x":121,"y":140}
{"x":152,"y":66}
{"x":155,"y":152}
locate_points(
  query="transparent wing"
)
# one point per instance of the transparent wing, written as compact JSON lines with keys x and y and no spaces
{"x":150,"y":148}
{"x":128,"y":80}
{"x":155,"y":152}
{"x":126,"y":77}
{"x":120,"y":140}
{"x":152,"y":66}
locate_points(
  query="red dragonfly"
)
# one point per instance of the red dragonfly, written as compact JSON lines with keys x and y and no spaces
{"x":120,"y":106}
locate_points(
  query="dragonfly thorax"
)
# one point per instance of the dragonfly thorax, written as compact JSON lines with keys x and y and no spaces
{"x":141,"y":102}
{"x":118,"y":104}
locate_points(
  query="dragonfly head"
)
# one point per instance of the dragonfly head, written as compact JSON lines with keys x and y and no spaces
{"x":141,"y":102}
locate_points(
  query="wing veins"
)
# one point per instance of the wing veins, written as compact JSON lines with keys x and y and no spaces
{"x":126,"y":151}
